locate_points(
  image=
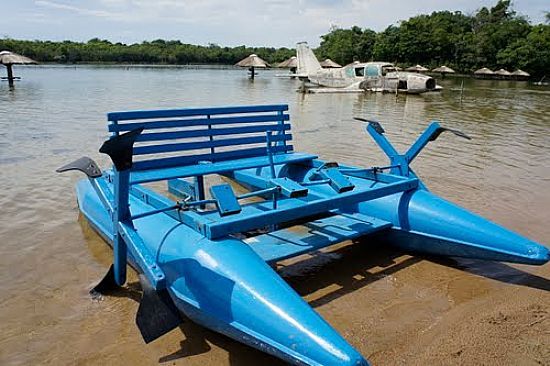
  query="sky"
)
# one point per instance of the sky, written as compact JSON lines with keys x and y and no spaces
{"x":273,"y":23}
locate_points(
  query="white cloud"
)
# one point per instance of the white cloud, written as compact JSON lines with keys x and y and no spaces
{"x":251,"y":22}
{"x":82,"y":11}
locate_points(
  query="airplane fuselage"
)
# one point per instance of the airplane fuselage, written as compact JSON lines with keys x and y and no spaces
{"x":373,"y":76}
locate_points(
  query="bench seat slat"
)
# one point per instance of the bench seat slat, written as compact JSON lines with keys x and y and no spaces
{"x":153,"y":175}
{"x":156,"y":136}
{"x":149,"y":125}
{"x":154,"y":149}
{"x":219,"y":156}
{"x":134,"y":115}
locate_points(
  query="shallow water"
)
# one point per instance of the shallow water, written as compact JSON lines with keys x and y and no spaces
{"x":374,"y":296}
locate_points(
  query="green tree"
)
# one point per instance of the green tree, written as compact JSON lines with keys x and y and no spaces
{"x":531,"y":55}
{"x":347,"y":45}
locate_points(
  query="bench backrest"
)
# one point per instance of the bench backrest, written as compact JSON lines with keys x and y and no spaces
{"x":177,"y":137}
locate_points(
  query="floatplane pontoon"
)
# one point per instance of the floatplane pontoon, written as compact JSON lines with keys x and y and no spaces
{"x":208,"y":257}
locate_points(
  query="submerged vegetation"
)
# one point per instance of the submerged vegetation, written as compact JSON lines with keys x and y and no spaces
{"x":494,"y":38}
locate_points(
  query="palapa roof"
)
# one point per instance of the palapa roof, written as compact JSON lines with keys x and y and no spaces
{"x":329,"y":63}
{"x":519,"y":72}
{"x":417,"y":68}
{"x":444,"y":70}
{"x":10,"y":58}
{"x":484,"y":71}
{"x":252,"y":61}
{"x":290,"y":63}
{"x":503,"y":72}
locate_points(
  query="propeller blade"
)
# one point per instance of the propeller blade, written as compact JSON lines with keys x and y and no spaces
{"x":440,"y":130}
{"x":157,"y":314}
{"x":107,"y":284}
{"x":84,"y":165}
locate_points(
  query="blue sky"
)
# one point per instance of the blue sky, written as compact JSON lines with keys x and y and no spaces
{"x":226,"y":22}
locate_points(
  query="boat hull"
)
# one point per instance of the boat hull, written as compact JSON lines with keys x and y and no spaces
{"x":426,"y":223}
{"x":225,"y":286}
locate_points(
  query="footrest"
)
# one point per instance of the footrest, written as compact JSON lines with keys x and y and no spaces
{"x":225,"y":198}
{"x":314,"y":235}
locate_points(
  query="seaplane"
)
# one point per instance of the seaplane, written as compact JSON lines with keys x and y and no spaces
{"x":359,"y":76}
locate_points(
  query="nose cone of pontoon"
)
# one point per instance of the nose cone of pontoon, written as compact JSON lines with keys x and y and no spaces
{"x":538,"y":253}
{"x":471,"y":234}
{"x":433,"y":225}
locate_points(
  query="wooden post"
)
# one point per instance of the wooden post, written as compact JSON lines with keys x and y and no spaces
{"x":396,"y":90}
{"x":10,"y":74}
{"x":461,"y":90}
{"x":251,"y":69}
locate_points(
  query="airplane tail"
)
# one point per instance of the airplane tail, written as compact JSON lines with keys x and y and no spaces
{"x":307,"y":62}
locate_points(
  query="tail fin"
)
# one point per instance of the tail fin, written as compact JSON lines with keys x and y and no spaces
{"x":307,"y":62}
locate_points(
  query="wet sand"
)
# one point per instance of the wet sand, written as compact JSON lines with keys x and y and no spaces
{"x":395,"y":308}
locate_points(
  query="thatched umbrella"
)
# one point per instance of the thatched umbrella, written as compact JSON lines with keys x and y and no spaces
{"x":9,"y":59}
{"x":290,"y":63}
{"x":416,"y":68}
{"x":520,"y":74}
{"x":252,"y":62}
{"x":484,"y":71}
{"x":443,"y":70}
{"x":329,"y":64}
{"x":503,"y":73}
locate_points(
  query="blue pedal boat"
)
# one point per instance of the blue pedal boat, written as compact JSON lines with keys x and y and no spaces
{"x":209,"y":257}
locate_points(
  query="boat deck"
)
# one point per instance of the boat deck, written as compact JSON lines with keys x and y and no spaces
{"x":314,"y":235}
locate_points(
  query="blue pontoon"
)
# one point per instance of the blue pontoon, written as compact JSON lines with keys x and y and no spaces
{"x":207,"y":256}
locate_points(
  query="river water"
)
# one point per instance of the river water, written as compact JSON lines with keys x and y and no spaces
{"x":394,"y":308}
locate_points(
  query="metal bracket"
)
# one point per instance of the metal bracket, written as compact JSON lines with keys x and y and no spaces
{"x":84,"y":165}
{"x":400,"y":162}
{"x":120,"y":148}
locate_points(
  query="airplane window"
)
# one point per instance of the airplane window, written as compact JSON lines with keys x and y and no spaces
{"x":372,"y":70}
{"x":359,"y":71}
{"x":387,"y":69}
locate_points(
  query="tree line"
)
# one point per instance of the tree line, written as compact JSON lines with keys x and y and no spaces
{"x":155,"y":52}
{"x":494,"y":38}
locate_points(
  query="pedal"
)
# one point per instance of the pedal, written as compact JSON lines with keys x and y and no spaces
{"x":290,"y":188}
{"x":337,"y":180}
{"x":225,"y":198}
